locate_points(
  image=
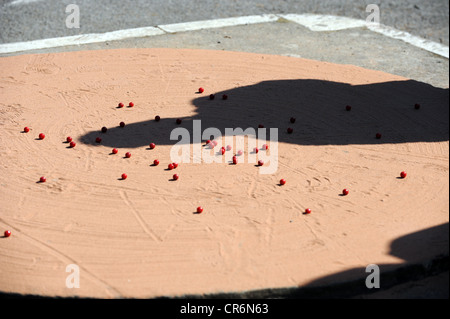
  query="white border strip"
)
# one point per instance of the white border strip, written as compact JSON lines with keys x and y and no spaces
{"x":317,"y":22}
{"x":427,"y":45}
{"x":80,"y":39}
{"x":314,"y":22}
{"x":217,"y":23}
{"x":21,"y":2}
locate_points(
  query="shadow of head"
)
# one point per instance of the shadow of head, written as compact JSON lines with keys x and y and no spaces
{"x":413,"y":247}
{"x":319,"y":108}
{"x":424,"y":253}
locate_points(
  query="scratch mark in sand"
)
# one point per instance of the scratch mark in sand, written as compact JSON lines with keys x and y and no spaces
{"x":251,"y":189}
{"x":111,"y":291}
{"x":138,"y":217}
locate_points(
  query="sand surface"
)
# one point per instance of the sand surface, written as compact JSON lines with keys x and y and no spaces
{"x":139,"y":237}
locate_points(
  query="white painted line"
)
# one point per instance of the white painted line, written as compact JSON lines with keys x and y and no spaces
{"x":313,"y":22}
{"x":430,"y":46}
{"x":217,"y":23}
{"x":80,"y":39}
{"x":20,"y":2}
{"x":318,"y":22}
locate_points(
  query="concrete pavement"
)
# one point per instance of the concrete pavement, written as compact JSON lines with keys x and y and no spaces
{"x":358,"y":46}
{"x":26,"y":20}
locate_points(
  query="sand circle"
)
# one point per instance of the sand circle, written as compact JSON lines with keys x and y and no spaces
{"x":142,"y":237}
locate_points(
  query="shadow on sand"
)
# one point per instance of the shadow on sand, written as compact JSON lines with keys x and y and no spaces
{"x":320,"y":111}
{"x":415,"y":249}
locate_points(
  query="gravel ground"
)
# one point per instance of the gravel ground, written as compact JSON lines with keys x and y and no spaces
{"x":25,"y":20}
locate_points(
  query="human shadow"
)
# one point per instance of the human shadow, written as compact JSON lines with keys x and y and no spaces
{"x":424,"y":253}
{"x":319,"y":108}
